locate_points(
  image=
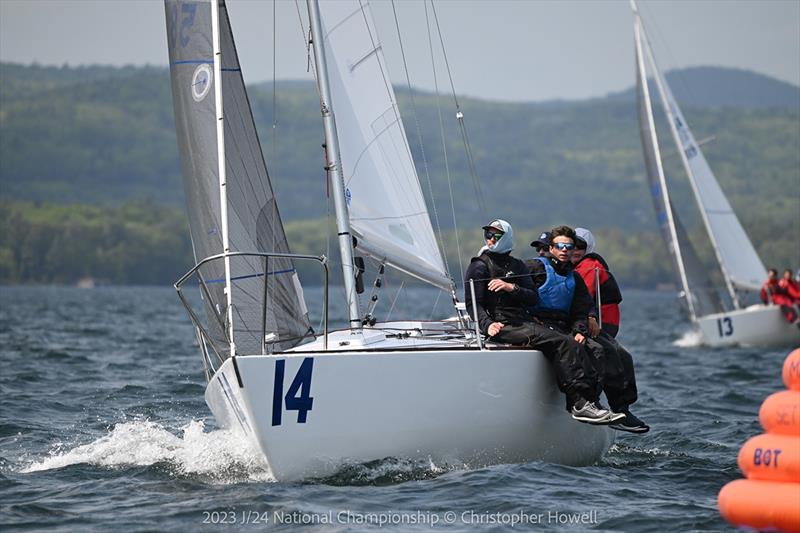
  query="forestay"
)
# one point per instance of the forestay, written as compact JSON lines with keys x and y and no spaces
{"x":386,"y":207}
{"x":738,"y":259}
{"x":253,"y":223}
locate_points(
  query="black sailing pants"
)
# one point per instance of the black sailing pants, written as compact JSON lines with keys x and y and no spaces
{"x":618,"y":376}
{"x":575,"y":373}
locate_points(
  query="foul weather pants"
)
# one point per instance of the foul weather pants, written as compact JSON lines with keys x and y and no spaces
{"x":575,"y":373}
{"x":617,"y":374}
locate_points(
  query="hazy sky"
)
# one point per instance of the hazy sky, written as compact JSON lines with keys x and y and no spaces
{"x":509,"y":50}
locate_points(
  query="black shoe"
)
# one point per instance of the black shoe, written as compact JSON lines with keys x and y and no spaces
{"x":630,"y":423}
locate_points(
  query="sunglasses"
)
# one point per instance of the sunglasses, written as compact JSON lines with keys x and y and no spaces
{"x":563,"y":245}
{"x":489,"y":235}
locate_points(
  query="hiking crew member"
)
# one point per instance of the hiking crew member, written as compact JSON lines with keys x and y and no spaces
{"x":503,"y":291}
{"x":789,"y":286}
{"x":565,"y":306}
{"x":772,"y":292}
{"x":619,"y":380}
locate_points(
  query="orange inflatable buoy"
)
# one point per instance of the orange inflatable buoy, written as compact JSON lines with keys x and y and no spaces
{"x":791,"y":370}
{"x":761,"y":505}
{"x":771,"y":457}
{"x":780,"y":413}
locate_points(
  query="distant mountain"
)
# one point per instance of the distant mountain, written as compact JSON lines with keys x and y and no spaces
{"x":105,"y":136}
{"x":716,"y":87}
{"x":22,"y":81}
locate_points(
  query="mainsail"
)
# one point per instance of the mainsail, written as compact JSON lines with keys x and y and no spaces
{"x":740,"y":264}
{"x":701,"y":296}
{"x":253,"y":222}
{"x":386,"y":207}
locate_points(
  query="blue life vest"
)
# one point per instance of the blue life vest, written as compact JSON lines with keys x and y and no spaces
{"x":557,"y":291}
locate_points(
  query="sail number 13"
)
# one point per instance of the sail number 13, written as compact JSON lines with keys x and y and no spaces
{"x":298,"y":397}
{"x":725,"y":326}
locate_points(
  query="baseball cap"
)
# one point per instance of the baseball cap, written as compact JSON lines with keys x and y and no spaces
{"x":542,"y":241}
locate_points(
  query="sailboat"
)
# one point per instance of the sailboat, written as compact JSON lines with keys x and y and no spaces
{"x":722,"y":319}
{"x":314,"y":401}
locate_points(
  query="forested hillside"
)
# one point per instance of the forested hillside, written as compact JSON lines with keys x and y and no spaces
{"x":85,"y":151}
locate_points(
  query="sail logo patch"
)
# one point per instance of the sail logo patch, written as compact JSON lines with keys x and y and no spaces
{"x":201,"y":82}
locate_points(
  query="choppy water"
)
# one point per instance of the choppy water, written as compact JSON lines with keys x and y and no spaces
{"x":103,"y":425}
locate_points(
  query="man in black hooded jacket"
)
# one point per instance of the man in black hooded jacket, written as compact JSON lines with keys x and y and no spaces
{"x":503,"y":292}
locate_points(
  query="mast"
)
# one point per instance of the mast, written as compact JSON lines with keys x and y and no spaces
{"x":676,"y":249}
{"x":221,"y":167}
{"x":334,"y":165}
{"x":671,"y":118}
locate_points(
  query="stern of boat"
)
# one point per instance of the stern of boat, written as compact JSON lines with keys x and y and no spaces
{"x":756,"y":325}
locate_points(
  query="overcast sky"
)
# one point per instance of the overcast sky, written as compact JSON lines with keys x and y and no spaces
{"x":506,"y":50}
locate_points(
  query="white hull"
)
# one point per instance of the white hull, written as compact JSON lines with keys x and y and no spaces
{"x":451,"y":405}
{"x":757,"y":325}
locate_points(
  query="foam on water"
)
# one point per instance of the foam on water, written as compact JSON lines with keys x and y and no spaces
{"x":389,"y":470}
{"x":690,"y":339}
{"x":219,"y":455}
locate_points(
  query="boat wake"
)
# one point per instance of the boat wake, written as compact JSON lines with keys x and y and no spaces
{"x":388,"y":471}
{"x":690,"y":339}
{"x":219,"y":456}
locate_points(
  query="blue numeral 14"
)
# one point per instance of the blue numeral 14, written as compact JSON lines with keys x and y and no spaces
{"x":300,"y":384}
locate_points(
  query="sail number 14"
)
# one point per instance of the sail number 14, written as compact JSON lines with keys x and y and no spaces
{"x":298,"y":397}
{"x":725,"y":326}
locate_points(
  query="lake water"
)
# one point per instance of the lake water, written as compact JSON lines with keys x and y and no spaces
{"x":103,"y":425}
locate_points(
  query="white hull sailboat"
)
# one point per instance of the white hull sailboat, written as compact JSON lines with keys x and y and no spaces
{"x":721,"y":318}
{"x":313,"y":402}
{"x":755,"y":325}
{"x":405,"y":398}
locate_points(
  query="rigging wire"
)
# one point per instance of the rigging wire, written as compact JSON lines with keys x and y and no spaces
{"x":394,"y":301}
{"x":311,"y":68}
{"x":420,"y":137}
{"x":462,"y":125}
{"x":270,"y":286}
{"x":444,"y":147}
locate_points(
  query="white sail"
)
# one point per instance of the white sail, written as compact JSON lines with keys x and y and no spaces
{"x":386,"y":207}
{"x":701,"y":297}
{"x":738,"y":260}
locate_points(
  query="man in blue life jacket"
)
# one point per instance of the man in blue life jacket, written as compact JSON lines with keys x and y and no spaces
{"x":503,"y":292}
{"x":565,"y":304}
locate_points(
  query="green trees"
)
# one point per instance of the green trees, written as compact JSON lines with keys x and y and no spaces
{"x":81,"y":147}
{"x":137,"y":243}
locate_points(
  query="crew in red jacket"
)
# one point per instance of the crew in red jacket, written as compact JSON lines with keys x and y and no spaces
{"x":790,"y":286}
{"x":619,"y":381}
{"x":595,"y":273}
{"x":773,"y":292}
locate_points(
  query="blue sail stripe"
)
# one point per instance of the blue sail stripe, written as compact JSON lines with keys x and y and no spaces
{"x":222,"y":280}
{"x":200,"y":62}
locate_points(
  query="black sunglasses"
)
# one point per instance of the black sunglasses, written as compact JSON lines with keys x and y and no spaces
{"x":489,"y":235}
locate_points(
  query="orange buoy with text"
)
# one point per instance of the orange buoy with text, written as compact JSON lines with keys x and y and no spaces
{"x":769,"y":499}
{"x":791,"y":370}
{"x":780,"y":413}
